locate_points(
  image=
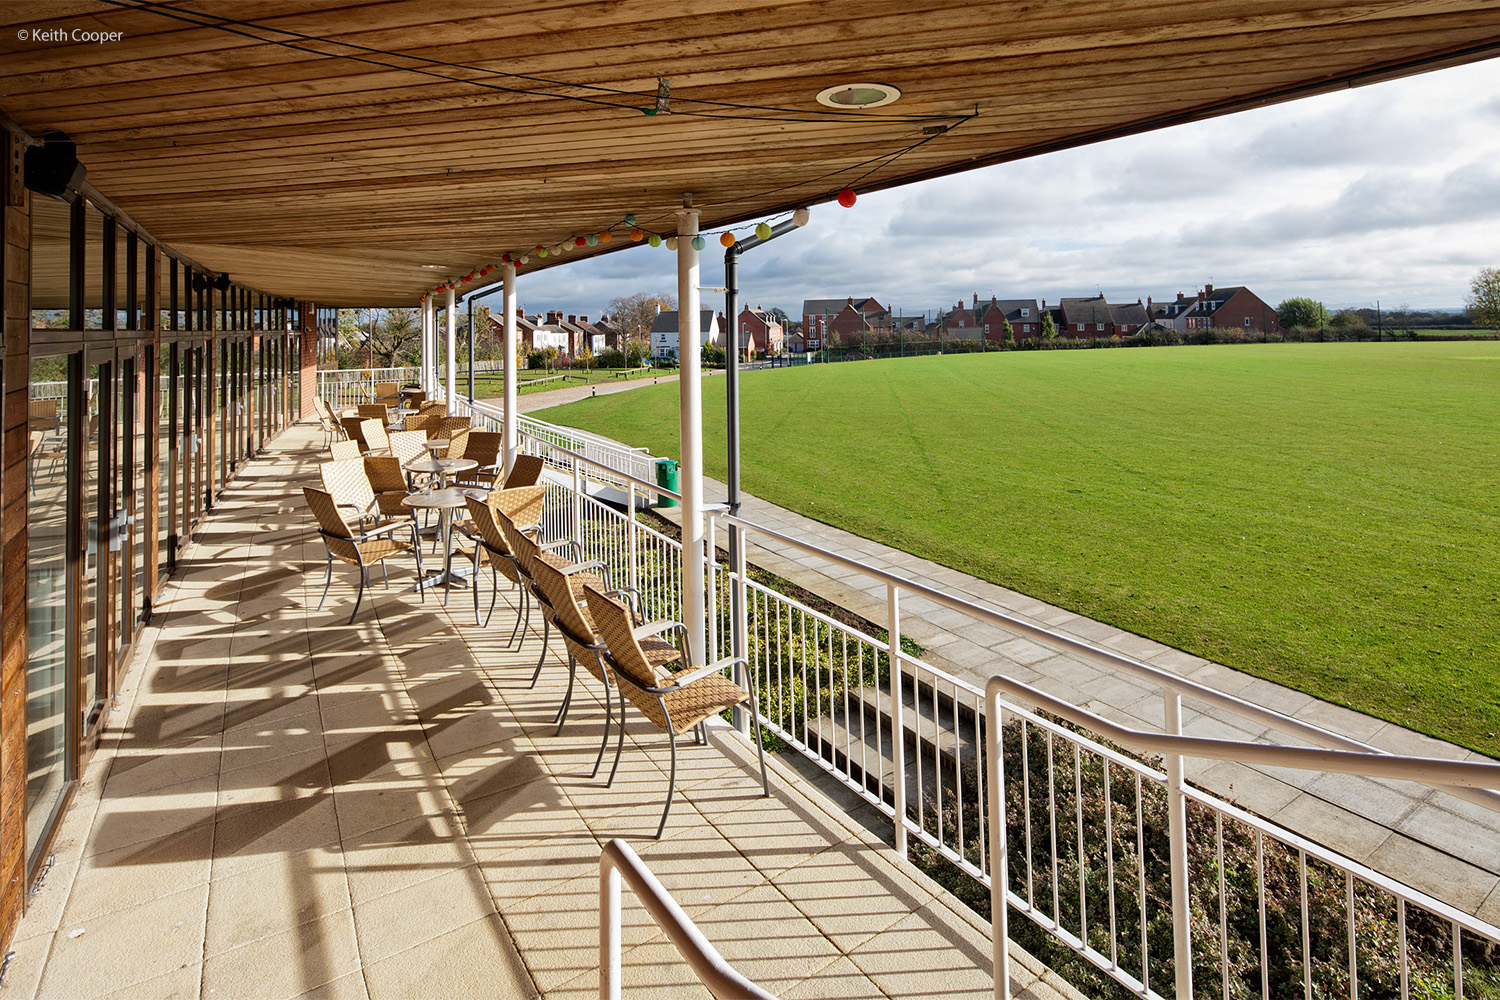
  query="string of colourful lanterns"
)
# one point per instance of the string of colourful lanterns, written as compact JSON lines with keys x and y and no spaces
{"x":727,"y":238}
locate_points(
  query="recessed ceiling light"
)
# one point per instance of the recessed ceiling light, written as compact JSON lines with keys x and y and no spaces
{"x":856,"y":96}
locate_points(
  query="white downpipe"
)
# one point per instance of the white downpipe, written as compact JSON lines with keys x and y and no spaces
{"x":690,"y":404}
{"x":451,"y":356}
{"x":508,"y":299}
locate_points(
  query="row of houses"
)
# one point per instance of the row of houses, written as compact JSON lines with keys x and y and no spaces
{"x":850,"y":320}
{"x":831,"y":322}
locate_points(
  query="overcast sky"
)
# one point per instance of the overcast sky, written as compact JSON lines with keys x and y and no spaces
{"x":1389,"y":193}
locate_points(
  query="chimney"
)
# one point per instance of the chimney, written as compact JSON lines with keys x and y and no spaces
{"x":1200,"y":296}
{"x":1150,"y":312}
{"x":572,"y":318}
{"x":582,"y":318}
{"x":976,"y":300}
{"x":554,"y":317}
{"x":1208,"y":289}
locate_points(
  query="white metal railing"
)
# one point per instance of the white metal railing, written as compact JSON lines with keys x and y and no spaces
{"x":609,"y":462}
{"x":1116,"y":858}
{"x":619,"y":859}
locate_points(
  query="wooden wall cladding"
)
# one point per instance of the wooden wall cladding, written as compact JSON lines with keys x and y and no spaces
{"x":14,"y":369}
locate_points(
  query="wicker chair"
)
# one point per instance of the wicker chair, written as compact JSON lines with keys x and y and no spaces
{"x":338,"y":450}
{"x":673,"y":704}
{"x":375,"y":438}
{"x":373,"y":411}
{"x":345,"y":480}
{"x":528,"y":552}
{"x":484,"y":448}
{"x":458,"y":444}
{"x":483,"y":528}
{"x":422,"y":421}
{"x":447,"y":427}
{"x":433,"y":406}
{"x":354,"y":431}
{"x":388,"y":480}
{"x":388,"y":393}
{"x":560,"y":593}
{"x":364,"y":548}
{"x":407,"y":445}
{"x":526,"y":472}
{"x":332,"y":429}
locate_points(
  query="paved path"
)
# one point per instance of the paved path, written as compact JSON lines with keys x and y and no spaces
{"x":1432,"y":841}
{"x":557,"y":397}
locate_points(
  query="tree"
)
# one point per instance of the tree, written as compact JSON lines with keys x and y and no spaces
{"x":396,"y":340}
{"x":1484,"y":298}
{"x":1301,"y":312}
{"x":1007,"y":335}
{"x":633,"y":315}
{"x":1049,"y":328}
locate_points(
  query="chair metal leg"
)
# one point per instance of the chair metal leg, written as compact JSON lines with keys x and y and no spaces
{"x":562,"y":711}
{"x":385,"y":574}
{"x":327,"y":579}
{"x":619,"y":745}
{"x":475,"y":579}
{"x":609,"y":700}
{"x":364,"y":576}
{"x":671,"y":781}
{"x":760,"y":749}
{"x":546,"y":632}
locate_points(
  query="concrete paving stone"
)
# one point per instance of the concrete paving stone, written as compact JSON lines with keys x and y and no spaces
{"x":1364,"y":797}
{"x":518,"y":874}
{"x":280,"y":896}
{"x":653,"y":970}
{"x":286,"y":964}
{"x":1095,"y":632}
{"x":1023,"y":651}
{"x":1137,"y":647}
{"x":141,"y":942}
{"x":179,"y":984}
{"x":122,"y":823}
{"x":840,"y":980}
{"x":850,"y":895}
{"x":1478,"y":843}
{"x":379,"y":862}
{"x":110,"y":881}
{"x":1395,"y":739}
{"x":387,"y":798}
{"x":257,"y":833}
{"x":477,"y":959}
{"x":916,"y":957}
{"x":250,"y":748}
{"x":142,"y":772}
{"x":1335,"y":828}
{"x":739,"y":930}
{"x":558,"y":944}
{"x":399,"y":920}
{"x":1242,"y":785}
{"x":1275,"y":697}
{"x":298,"y":774}
{"x":1433,"y":872}
{"x":1343,"y":721}
{"x":1489,"y":910}
{"x":350,"y":987}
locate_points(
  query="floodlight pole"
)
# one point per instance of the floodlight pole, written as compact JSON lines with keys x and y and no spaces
{"x":740,"y":645}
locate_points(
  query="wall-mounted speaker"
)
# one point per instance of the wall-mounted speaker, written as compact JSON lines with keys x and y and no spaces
{"x":53,"y":169}
{"x":222,"y":282}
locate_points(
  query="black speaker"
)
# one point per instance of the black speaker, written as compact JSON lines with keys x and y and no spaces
{"x":222,"y":282}
{"x":53,"y":169}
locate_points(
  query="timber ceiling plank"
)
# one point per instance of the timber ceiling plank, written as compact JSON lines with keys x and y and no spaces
{"x":386,"y":136}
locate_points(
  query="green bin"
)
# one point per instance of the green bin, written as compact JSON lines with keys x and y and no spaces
{"x":666,"y":478}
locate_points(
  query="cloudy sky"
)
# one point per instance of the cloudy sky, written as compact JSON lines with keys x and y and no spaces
{"x":1389,"y":192}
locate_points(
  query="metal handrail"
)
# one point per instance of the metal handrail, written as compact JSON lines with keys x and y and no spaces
{"x":1107,"y":658}
{"x":1173,"y":747}
{"x":617,"y":859}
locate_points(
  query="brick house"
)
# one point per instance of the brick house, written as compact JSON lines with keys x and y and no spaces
{"x":760,"y":332}
{"x":848,"y":320}
{"x":1086,"y":317}
{"x":1230,"y":308}
{"x":1129,"y":318}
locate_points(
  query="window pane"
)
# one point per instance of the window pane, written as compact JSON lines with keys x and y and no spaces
{"x":93,"y":269}
{"x":47,"y":752}
{"x":49,"y":266}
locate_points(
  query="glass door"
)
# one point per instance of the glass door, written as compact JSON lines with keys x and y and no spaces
{"x":96,"y":610}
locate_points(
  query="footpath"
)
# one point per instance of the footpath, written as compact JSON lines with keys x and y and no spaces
{"x":1445,"y":846}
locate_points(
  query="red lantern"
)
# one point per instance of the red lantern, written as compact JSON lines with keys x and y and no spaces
{"x":846,"y":197}
{"x":579,"y":241}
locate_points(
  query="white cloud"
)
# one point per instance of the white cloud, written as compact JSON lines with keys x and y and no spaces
{"x":1388,"y":192}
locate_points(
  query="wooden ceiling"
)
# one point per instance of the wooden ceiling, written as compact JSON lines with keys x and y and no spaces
{"x":357,"y":153}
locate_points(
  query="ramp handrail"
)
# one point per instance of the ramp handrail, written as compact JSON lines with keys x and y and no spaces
{"x":713,"y":972}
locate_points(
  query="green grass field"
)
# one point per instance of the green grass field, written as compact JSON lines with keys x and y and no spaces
{"x":1323,"y":515}
{"x":491,"y":385}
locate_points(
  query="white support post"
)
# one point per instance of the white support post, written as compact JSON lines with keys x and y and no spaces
{"x":739,"y":624}
{"x":451,"y":356}
{"x":508,"y":299}
{"x":999,"y":858}
{"x":425,"y":355}
{"x":690,"y":404}
{"x":710,"y":551}
{"x":1182,"y":940}
{"x":898,"y":714}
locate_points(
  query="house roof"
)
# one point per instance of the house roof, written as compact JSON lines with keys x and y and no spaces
{"x":360,"y":153}
{"x":1010,"y":309}
{"x":1131,"y":313}
{"x":1089,"y":310}
{"x":666,"y":321}
{"x":832,"y":307}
